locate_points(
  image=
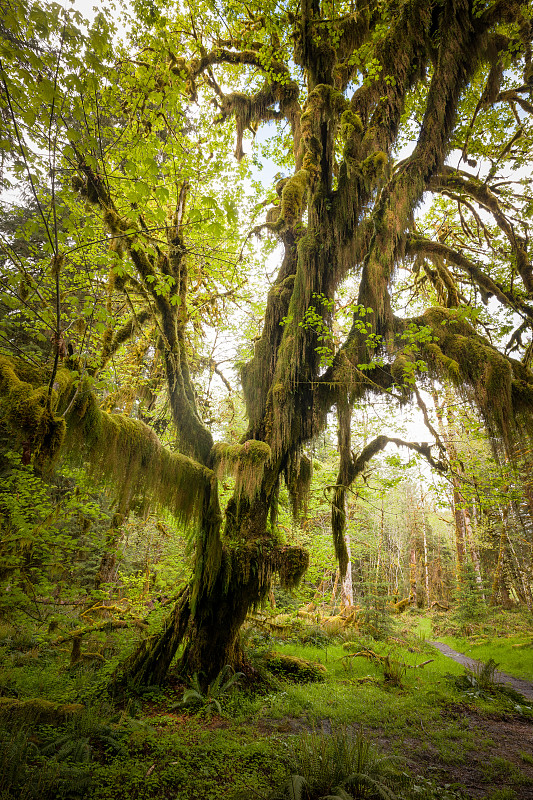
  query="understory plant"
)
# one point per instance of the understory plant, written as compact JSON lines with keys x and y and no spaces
{"x":209,"y":698}
{"x":480,"y":681}
{"x":342,"y":765}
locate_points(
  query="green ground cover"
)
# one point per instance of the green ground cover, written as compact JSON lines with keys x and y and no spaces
{"x":399,"y":692}
{"x":513,"y":655}
{"x":505,"y":636}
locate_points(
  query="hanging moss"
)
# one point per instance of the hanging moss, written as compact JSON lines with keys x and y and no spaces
{"x":500,"y":388}
{"x":298,"y":476}
{"x":128,"y":454}
{"x":261,"y":559}
{"x":257,"y":374}
{"x":25,"y":409}
{"x":400,"y":368}
{"x":119,"y":450}
{"x":245,"y":461}
{"x":292,"y":200}
{"x":292,"y":566}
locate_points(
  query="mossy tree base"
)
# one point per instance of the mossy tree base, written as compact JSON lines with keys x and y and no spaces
{"x":232,"y":578}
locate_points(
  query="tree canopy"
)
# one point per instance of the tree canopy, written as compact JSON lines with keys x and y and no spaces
{"x":138,"y":232}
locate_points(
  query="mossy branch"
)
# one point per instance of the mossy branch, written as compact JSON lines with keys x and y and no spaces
{"x":26,"y":410}
{"x":248,"y":110}
{"x":123,"y":334}
{"x":193,"y":435}
{"x":488,"y":287}
{"x":106,"y":626}
{"x":355,"y":467}
{"x":119,"y":450}
{"x":500,"y":387}
{"x":245,"y":461}
{"x":473,"y":187}
{"x":380,"y":442}
{"x":128,"y":454}
{"x":37,"y":710}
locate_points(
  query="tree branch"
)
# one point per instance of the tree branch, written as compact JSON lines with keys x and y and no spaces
{"x":380,"y":442}
{"x":418,"y":245}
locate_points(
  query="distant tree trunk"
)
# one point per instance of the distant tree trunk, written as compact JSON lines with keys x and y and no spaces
{"x":458,"y":515}
{"x":521,"y":582}
{"x":380,"y":545}
{"x":464,"y":535}
{"x":500,"y":590}
{"x":108,"y":562}
{"x":474,"y":554}
{"x":347,"y":586}
{"x":426,"y":565}
{"x":413,"y":585}
{"x":444,"y":430}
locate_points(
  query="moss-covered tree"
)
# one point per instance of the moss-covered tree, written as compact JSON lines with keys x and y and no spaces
{"x":347,"y":84}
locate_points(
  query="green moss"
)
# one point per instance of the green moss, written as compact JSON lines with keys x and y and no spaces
{"x":482,"y":373}
{"x":117,"y":449}
{"x":37,"y":711}
{"x":246,"y":462}
{"x":350,"y":124}
{"x":127,"y":453}
{"x":295,"y":669}
{"x":260,"y":560}
{"x":298,"y":478}
{"x":24,"y":408}
{"x":292,"y":199}
{"x":400,"y":368}
{"x":292,"y":565}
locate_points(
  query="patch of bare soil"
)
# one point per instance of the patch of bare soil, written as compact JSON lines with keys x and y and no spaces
{"x":499,"y":756}
{"x":502,"y":756}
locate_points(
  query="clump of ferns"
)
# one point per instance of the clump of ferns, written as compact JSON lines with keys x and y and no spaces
{"x":17,"y":753}
{"x":82,"y":737}
{"x":29,"y":772}
{"x":393,"y":672}
{"x":480,"y":680}
{"x":340,"y":766}
{"x":209,"y":699}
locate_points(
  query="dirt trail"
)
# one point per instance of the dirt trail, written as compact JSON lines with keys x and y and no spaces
{"x":518,"y":684}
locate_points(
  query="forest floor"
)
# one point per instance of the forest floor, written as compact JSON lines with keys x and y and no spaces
{"x":495,"y":764}
{"x":458,"y":736}
{"x":520,"y":685}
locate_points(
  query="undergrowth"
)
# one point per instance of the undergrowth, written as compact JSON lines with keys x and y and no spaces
{"x":154,"y":748}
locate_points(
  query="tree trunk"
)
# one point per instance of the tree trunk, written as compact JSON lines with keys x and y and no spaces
{"x":500,"y":590}
{"x":231,"y":576}
{"x":426,"y":566}
{"x":474,"y":554}
{"x":347,"y":586}
{"x":413,"y":587}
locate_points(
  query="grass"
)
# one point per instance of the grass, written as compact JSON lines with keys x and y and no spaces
{"x":504,"y":635}
{"x":153,"y":748}
{"x":513,"y":654}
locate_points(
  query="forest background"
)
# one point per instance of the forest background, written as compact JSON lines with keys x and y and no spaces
{"x":265,"y":381}
{"x":219,"y":292}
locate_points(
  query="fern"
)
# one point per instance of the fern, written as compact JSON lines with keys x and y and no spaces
{"x":220,"y":686}
{"x":339,"y":766}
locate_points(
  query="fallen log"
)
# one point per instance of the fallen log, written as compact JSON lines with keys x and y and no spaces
{"x":37,"y":710}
